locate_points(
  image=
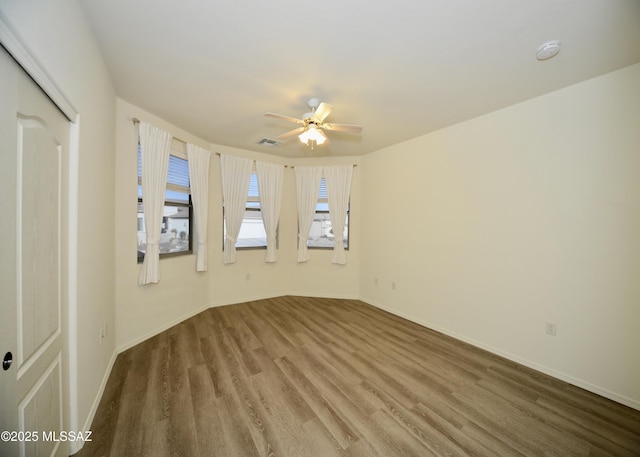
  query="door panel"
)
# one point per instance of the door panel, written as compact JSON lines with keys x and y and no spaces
{"x":34,"y":138}
{"x":41,"y":410}
{"x":38,"y":230}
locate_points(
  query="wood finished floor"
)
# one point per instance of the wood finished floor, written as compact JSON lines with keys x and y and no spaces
{"x":296,"y":376}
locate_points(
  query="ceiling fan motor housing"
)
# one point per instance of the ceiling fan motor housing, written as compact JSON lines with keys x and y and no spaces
{"x":313,"y":104}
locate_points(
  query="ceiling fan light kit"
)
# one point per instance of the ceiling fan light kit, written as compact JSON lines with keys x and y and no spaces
{"x":312,"y":134}
{"x":312,"y":124}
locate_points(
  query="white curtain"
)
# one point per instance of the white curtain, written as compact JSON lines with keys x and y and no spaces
{"x":236,"y":174}
{"x":155,"y":146}
{"x":199,"y":183}
{"x":307,"y":187}
{"x":270,"y":189}
{"x":338,"y":179}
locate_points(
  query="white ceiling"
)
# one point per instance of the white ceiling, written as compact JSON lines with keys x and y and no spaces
{"x":399,"y":68}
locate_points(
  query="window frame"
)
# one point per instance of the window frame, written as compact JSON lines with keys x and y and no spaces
{"x":172,"y":203}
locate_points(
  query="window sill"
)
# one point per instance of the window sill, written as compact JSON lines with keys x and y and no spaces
{"x":164,"y":256}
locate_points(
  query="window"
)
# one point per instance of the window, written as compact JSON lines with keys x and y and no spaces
{"x":175,"y":238}
{"x":252,"y":233}
{"x":321,"y":233}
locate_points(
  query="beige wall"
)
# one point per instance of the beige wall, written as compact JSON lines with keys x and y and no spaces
{"x":59,"y":39}
{"x":492,"y":227}
{"x":183,"y":292}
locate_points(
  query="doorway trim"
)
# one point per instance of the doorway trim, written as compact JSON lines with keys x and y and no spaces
{"x":12,"y":42}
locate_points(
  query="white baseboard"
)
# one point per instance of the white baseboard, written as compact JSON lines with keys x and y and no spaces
{"x":622,"y":399}
{"x":77,"y":445}
{"x":332,"y":296}
{"x":160,"y":329}
{"x":243,"y":300}
{"x":186,"y":316}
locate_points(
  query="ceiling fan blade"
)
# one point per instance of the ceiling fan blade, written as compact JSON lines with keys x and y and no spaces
{"x":322,"y":111}
{"x":290,"y":133}
{"x":343,"y":128}
{"x":284,"y":118}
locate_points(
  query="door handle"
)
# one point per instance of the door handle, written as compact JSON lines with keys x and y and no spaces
{"x":7,"y":361}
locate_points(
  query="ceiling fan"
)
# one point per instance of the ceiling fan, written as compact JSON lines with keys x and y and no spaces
{"x":312,"y":124}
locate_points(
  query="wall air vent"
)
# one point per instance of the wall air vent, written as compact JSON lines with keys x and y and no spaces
{"x":269,"y":142}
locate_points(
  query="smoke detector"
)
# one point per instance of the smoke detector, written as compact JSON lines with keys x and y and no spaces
{"x":548,"y":50}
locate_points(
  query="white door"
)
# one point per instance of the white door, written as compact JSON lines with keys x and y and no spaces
{"x":34,"y":138}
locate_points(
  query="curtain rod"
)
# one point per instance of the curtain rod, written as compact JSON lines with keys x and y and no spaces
{"x":137,"y":121}
{"x":291,"y":166}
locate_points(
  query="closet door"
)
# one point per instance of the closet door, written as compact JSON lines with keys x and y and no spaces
{"x":34,"y":139}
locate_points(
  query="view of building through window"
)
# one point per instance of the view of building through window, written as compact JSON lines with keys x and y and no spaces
{"x":175,"y":236}
{"x":252,"y":233}
{"x":321,"y":234}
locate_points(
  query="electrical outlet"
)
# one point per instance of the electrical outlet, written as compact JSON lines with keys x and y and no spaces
{"x":551,"y":328}
{"x":393,"y":285}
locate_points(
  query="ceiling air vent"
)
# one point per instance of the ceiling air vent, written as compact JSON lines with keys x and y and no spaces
{"x":269,"y":142}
